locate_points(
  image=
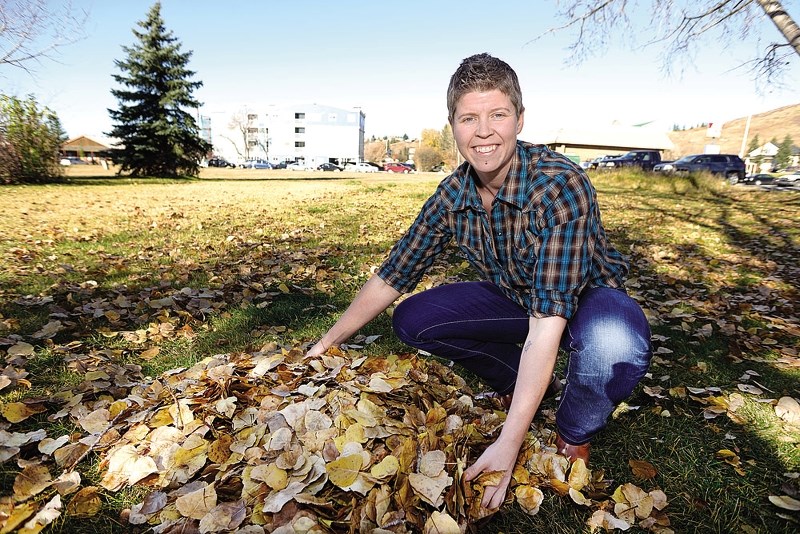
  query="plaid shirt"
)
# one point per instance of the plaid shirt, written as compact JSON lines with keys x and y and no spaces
{"x":542,"y":243}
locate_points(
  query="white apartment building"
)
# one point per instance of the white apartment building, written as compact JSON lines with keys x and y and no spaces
{"x":309,"y":133}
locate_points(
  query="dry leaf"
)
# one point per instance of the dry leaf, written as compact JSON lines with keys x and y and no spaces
{"x":529,"y":498}
{"x":344,"y":470}
{"x":196,"y":504}
{"x":642,"y":469}
{"x":441,"y":523}
{"x":85,"y":503}
{"x":785,"y":502}
{"x":31,"y":481}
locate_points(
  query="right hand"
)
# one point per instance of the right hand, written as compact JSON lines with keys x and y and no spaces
{"x":317,"y":349}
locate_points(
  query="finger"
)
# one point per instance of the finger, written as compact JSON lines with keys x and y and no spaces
{"x":498,"y":496}
{"x":473,"y":470}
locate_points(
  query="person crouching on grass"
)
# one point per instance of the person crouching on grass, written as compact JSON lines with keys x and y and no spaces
{"x":527,"y":220}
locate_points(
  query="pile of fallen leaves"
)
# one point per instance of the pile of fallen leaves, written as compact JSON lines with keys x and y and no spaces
{"x":272,"y":441}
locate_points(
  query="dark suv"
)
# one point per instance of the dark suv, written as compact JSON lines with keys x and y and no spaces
{"x":727,"y":165}
{"x":220,"y":162}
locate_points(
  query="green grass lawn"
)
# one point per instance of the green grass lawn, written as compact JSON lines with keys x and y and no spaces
{"x":131,"y":310}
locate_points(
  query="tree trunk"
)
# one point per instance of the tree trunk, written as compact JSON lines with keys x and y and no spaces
{"x":783,"y":22}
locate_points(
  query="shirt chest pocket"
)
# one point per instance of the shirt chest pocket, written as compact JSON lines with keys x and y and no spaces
{"x":524,"y":256}
{"x":468,"y":236}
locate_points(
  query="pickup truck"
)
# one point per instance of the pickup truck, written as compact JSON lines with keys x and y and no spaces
{"x":644,"y":159}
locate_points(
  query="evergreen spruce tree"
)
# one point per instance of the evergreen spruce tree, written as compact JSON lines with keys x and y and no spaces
{"x":158,"y":137}
{"x":784,"y":155}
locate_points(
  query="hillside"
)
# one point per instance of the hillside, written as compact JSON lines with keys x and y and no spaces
{"x":776,"y":123}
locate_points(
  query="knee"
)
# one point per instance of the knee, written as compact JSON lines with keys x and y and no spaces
{"x":402,"y":323}
{"x":616,"y":341}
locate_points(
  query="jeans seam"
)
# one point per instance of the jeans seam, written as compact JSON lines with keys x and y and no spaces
{"x":475,"y":352}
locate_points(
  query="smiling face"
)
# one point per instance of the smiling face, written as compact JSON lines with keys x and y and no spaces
{"x":485,"y":127}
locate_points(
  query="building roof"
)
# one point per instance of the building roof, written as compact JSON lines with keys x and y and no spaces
{"x":83,"y":144}
{"x":612,"y":137}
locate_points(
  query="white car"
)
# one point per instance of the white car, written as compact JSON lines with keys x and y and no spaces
{"x":72,"y":160}
{"x":360,"y":167}
{"x":299,"y":166}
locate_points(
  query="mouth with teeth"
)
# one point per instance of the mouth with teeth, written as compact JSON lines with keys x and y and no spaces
{"x":485,"y":149}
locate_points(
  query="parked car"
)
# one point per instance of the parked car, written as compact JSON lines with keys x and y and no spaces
{"x":279,"y":165}
{"x":362,"y":166}
{"x":327,"y":166}
{"x":728,"y":165}
{"x":256,"y":164}
{"x":788,"y":179}
{"x":602,"y":159}
{"x":299,"y":166}
{"x":220,"y":162}
{"x":758,"y":179}
{"x":72,"y":160}
{"x":643,"y":159}
{"x":664,"y":166}
{"x":396,"y":167}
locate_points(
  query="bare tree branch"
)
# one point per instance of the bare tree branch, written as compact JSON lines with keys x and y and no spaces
{"x":31,"y":30}
{"x":680,"y":28}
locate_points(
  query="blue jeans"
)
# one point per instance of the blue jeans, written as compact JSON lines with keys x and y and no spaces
{"x":477,"y":326}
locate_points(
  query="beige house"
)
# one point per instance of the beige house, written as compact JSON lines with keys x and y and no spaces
{"x":82,"y":147}
{"x":586,"y":144}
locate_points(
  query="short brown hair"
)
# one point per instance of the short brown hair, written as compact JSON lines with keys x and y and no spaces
{"x":483,"y":72}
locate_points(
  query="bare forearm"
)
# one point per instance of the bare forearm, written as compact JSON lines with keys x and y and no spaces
{"x":535,"y":371}
{"x":373,"y":298}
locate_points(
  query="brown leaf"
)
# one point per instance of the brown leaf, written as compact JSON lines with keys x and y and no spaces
{"x":642,"y":469}
{"x":31,"y":481}
{"x":85,"y":503}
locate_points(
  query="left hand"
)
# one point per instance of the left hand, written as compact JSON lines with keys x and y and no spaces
{"x":498,"y":456}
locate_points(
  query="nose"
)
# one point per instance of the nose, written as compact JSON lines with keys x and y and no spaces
{"x":483,"y":128}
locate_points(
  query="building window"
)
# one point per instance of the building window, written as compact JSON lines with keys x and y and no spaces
{"x":252,"y":130}
{"x":252,"y":117}
{"x":299,"y":144}
{"x":299,"y":115}
{"x":299,"y":130}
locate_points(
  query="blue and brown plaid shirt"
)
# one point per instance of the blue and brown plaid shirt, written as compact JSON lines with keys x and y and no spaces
{"x":542,"y":243}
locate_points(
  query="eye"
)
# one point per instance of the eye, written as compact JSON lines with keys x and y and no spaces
{"x":500,"y":115}
{"x":467,"y":120}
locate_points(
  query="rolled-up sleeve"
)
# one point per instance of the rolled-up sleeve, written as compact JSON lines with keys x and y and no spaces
{"x":414,"y":253}
{"x":566,"y":226}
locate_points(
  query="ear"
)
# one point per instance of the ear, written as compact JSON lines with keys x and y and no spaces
{"x":520,"y":121}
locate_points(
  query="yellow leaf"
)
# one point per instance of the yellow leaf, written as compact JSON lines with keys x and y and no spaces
{"x":578,"y":497}
{"x":220,"y":450}
{"x":529,"y":498}
{"x":150,"y":353}
{"x":343,"y":471}
{"x":85,"y":503}
{"x":196,"y":504}
{"x":441,"y":523}
{"x":579,"y":475}
{"x":275,"y":477}
{"x":16,"y":412}
{"x":31,"y":481}
{"x":45,"y":516}
{"x":14,"y":515}
{"x":386,"y":468}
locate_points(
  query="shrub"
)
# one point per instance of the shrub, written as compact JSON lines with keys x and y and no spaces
{"x":30,"y":139}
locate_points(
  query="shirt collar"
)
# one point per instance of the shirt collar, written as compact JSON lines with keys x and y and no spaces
{"x":510,"y":192}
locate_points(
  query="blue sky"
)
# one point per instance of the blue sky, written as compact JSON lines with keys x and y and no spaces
{"x":393,"y":60}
